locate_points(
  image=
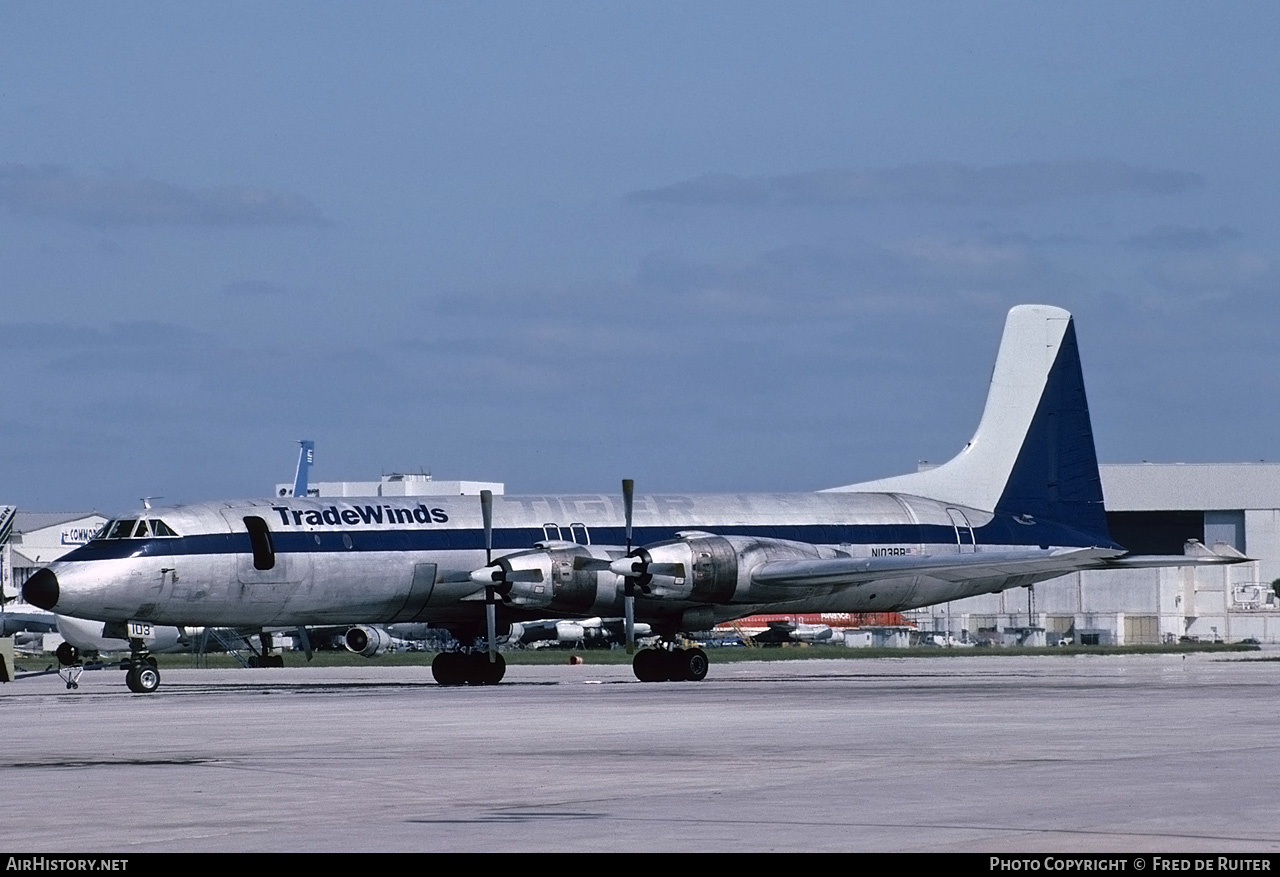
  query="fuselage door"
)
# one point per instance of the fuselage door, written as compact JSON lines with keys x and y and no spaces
{"x":964,"y":531}
{"x":424,"y":581}
{"x":260,"y":557}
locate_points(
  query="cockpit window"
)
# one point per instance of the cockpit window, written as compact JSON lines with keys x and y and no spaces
{"x":135,"y":528}
{"x":122,"y":529}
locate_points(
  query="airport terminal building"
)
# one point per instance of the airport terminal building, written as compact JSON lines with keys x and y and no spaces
{"x":1152,"y":508}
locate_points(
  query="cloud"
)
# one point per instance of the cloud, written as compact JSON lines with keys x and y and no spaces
{"x":1180,"y":237}
{"x":102,"y":201}
{"x":934,"y":183}
{"x":847,"y":280}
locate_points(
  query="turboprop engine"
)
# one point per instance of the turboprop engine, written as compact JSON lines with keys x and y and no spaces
{"x":704,"y":568}
{"x":554,"y":574}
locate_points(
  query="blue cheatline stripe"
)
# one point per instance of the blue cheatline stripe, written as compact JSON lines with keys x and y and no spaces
{"x":1001,"y":531}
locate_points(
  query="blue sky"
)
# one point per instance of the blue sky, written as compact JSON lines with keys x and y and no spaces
{"x":711,"y":246}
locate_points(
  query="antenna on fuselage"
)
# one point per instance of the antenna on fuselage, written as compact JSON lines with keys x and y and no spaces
{"x":146,"y":501}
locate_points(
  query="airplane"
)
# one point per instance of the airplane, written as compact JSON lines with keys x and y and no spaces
{"x":80,"y":636}
{"x":18,"y":622}
{"x":778,"y":632}
{"x":373,"y":640}
{"x":580,"y":633}
{"x":1019,"y":504}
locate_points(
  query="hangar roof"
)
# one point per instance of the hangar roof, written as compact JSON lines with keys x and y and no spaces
{"x":1190,"y":486}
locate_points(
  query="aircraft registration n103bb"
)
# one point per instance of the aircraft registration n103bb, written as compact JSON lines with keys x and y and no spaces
{"x":1021,"y":503}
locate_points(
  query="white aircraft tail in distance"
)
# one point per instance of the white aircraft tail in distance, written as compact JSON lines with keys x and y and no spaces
{"x":1021,"y":503}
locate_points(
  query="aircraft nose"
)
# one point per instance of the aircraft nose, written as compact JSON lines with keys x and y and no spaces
{"x":41,"y":589}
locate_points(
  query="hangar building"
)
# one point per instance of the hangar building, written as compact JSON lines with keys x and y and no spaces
{"x":1152,"y":508}
{"x":38,"y":538}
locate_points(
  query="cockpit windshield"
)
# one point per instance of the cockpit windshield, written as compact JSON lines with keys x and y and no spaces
{"x":121,"y":530}
{"x":133,"y":528}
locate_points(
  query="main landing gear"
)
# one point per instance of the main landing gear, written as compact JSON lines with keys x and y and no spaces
{"x":468,"y":668}
{"x":671,"y":664}
{"x":264,"y":658}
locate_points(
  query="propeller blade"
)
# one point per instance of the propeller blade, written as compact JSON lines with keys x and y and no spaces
{"x":486,"y":512}
{"x":670,"y":570}
{"x":629,"y":588}
{"x":628,"y":505}
{"x":496,"y":575}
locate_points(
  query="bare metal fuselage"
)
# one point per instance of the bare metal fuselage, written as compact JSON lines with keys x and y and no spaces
{"x":402,"y":559}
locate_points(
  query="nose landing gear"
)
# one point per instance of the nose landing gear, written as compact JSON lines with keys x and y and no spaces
{"x":142,"y":678}
{"x":142,"y":673}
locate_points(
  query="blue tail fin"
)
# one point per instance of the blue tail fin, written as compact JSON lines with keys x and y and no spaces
{"x":1055,"y":476}
{"x":1033,"y":451}
{"x":306,"y":455}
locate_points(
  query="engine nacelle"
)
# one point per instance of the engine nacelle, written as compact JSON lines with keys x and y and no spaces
{"x":698,"y":567}
{"x":704,"y":568}
{"x":557,"y":574}
{"x":367,"y":641}
{"x":570,"y":631}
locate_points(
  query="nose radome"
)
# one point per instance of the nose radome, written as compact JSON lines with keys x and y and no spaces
{"x":41,"y":589}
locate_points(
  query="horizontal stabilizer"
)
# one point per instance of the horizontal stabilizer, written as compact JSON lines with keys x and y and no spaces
{"x":1195,"y":553}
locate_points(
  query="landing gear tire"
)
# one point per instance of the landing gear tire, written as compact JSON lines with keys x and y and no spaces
{"x":486,"y":673}
{"x":142,"y":678}
{"x":676,"y":665}
{"x":649,"y":665}
{"x":462,"y":668}
{"x":693,"y":664}
{"x":67,"y":654}
{"x":447,"y":668}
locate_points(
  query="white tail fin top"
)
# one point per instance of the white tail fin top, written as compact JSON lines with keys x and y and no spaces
{"x":976,"y":477}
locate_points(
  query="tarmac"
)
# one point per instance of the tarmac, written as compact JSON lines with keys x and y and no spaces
{"x":989,"y":754}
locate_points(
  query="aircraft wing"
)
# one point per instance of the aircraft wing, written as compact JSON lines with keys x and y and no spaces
{"x":959,"y":567}
{"x":947,"y":567}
